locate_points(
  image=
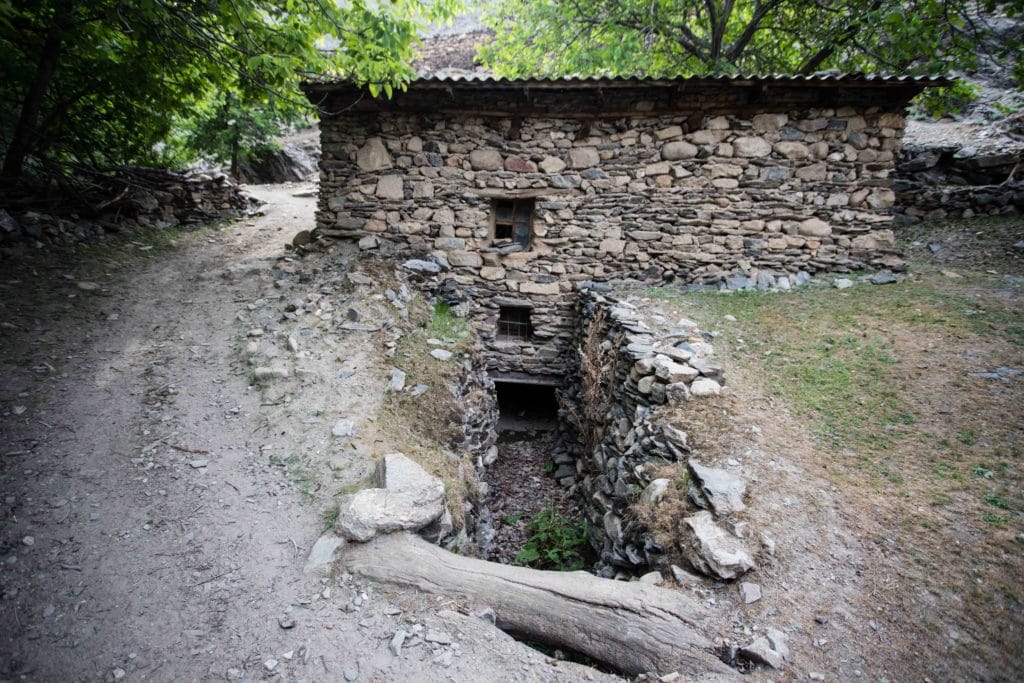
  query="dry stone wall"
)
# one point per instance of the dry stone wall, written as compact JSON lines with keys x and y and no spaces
{"x":942,"y":180}
{"x":693,"y":199}
{"x":642,"y":372}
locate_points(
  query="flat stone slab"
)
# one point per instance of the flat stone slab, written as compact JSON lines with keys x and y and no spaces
{"x":713,"y":550}
{"x":408,"y":499}
{"x":721,"y":491}
{"x":322,"y":554}
{"x":770,"y":649}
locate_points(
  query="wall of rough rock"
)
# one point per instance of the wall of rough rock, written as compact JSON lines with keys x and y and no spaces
{"x":643,"y":374}
{"x":654,"y":199}
{"x":153,"y":198}
{"x":956,"y":180}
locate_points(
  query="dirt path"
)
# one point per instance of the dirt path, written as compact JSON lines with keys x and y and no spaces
{"x":148,"y":531}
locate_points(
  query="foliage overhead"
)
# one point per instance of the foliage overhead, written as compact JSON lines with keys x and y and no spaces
{"x":553,"y":38}
{"x":100,"y":82}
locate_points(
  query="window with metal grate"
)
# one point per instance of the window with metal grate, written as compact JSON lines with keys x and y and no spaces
{"x":514,"y":324}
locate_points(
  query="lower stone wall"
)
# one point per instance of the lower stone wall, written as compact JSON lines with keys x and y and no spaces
{"x":143,"y":197}
{"x":920,"y":202}
{"x":615,"y":403}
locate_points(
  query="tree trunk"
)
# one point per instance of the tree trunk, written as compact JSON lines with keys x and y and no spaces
{"x":14,"y":159}
{"x":632,"y":627}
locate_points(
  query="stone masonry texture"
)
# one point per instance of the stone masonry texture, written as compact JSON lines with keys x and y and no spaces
{"x":693,"y":192}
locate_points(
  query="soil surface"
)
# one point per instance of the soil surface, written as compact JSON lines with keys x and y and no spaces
{"x":159,"y":502}
{"x":158,"y":506}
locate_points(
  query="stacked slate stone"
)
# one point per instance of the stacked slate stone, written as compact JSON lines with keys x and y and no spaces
{"x":955,"y":180}
{"x":651,"y":370}
{"x":154,"y":198}
{"x":474,"y":390}
{"x":692,"y":199}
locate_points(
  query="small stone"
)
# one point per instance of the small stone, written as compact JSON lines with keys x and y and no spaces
{"x":28,"y":540}
{"x":373,"y":156}
{"x":711,"y":549}
{"x":198,"y":464}
{"x":396,"y":643}
{"x":552,"y":165}
{"x":351,"y":673}
{"x":750,"y":592}
{"x":18,"y":410}
{"x":421,"y":266}
{"x":322,"y":554}
{"x":842,"y":283}
{"x":343,"y":428}
{"x":815,"y":227}
{"x":439,"y":637}
{"x":729,"y":318}
{"x":286,"y":623}
{"x":263,"y":373}
{"x":583,"y":157}
{"x":751,"y":147}
{"x":118,"y":673}
{"x":234,"y":674}
{"x":486,"y":160}
{"x":678,"y":150}
{"x":683,"y":577}
{"x":655,"y":491}
{"x":441,"y":354}
{"x":87,"y":286}
{"x":705,"y":387}
{"x":770,"y":649}
{"x":397,"y":381}
{"x":719,"y":489}
{"x":270,"y":664}
{"x":884,"y":278}
{"x":444,"y":659}
{"x":652,"y":578}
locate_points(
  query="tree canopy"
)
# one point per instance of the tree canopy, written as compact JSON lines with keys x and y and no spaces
{"x":102,"y":82}
{"x":695,"y":37}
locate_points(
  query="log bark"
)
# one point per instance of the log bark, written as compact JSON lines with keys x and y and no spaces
{"x":632,"y":627}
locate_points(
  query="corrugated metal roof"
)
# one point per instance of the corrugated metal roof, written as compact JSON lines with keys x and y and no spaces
{"x":825,"y":78}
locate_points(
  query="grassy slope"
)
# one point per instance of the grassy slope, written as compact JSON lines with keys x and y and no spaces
{"x":882,"y":377}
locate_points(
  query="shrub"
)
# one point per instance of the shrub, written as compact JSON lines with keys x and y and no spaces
{"x":555,"y":542}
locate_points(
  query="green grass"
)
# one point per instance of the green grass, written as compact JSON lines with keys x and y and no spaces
{"x":831,"y":352}
{"x":445,"y":325}
{"x":330,"y":515}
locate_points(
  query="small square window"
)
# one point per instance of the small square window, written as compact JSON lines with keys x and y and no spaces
{"x":513,"y":220}
{"x":514,"y":324}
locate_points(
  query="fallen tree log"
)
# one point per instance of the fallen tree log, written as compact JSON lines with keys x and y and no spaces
{"x":632,"y":627}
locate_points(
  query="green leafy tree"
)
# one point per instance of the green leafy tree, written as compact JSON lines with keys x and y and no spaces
{"x":686,"y":37}
{"x":100,"y":82}
{"x":223,"y":129}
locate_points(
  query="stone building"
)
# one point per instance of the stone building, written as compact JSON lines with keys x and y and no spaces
{"x":520,"y":191}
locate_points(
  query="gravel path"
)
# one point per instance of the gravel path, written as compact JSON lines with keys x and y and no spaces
{"x":148,"y":534}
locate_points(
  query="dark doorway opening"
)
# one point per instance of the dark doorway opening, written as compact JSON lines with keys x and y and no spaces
{"x":526,"y":407}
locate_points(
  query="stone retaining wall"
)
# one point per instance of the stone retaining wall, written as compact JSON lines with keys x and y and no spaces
{"x":917,"y":202}
{"x":145,"y":197}
{"x":643,"y":373}
{"x":686,"y":198}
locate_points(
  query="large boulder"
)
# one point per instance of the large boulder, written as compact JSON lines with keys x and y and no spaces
{"x":407,"y":499}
